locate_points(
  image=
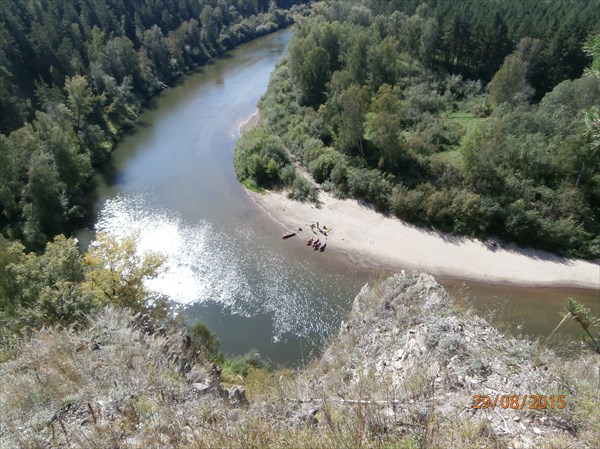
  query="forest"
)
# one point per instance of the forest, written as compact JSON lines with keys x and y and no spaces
{"x":474,"y":118}
{"x":73,"y":78}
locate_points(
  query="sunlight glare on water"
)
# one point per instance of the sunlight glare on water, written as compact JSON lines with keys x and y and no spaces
{"x":204,"y":264}
{"x":197,"y":266}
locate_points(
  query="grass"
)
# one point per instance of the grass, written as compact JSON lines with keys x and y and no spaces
{"x":467,"y":120}
{"x":252,"y":186}
{"x":411,"y":386}
{"x":452,"y":158}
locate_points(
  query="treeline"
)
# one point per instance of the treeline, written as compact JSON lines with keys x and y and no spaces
{"x":473,"y":37}
{"x":73,"y":77}
{"x":358,"y":105}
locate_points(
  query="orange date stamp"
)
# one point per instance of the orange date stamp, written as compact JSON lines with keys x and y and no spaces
{"x":518,"y":402}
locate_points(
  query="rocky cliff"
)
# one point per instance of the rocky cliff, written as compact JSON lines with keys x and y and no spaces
{"x":420,"y":361}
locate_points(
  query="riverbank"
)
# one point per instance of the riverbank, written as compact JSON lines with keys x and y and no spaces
{"x":252,"y":122}
{"x":372,"y":239}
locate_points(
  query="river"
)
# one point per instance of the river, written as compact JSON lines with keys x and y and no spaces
{"x":227,"y":265}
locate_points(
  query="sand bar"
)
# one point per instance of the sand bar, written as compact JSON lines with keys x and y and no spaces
{"x":375,"y":240}
{"x":249,"y":123}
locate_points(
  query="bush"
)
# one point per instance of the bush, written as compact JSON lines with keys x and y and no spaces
{"x":303,"y":190}
{"x":321,"y":167}
{"x":295,"y":139}
{"x":472,"y":214}
{"x":421,"y":99}
{"x":287,"y":175}
{"x":259,"y":156}
{"x":207,"y":342}
{"x":339,"y":176}
{"x":370,"y":185}
{"x":242,"y":365}
{"x":407,"y":204}
{"x":437,"y":208}
{"x":439,"y":134}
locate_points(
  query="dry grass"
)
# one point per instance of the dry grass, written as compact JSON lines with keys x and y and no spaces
{"x":395,"y":377}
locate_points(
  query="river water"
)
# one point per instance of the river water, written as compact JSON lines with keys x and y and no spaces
{"x":227,"y":265}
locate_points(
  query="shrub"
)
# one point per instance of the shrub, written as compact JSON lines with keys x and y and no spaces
{"x":339,"y":176}
{"x":303,"y":190}
{"x":472,"y":213}
{"x":207,"y":342}
{"x":420,"y":99}
{"x":370,"y":185}
{"x":437,"y":208}
{"x":312,"y":149}
{"x":407,"y":204}
{"x":241,"y":365}
{"x":587,"y":321}
{"x":287,"y":175}
{"x":295,"y":139}
{"x":259,"y":156}
{"x":321,"y":167}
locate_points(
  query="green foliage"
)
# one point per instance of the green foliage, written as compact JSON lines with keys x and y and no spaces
{"x":259,"y":157}
{"x":407,"y":203}
{"x":401,"y":126}
{"x":511,"y":82}
{"x":383,"y":125}
{"x":370,"y":185}
{"x":351,"y":107}
{"x":508,"y":84}
{"x":42,"y":290}
{"x":62,"y":287}
{"x":251,"y":185}
{"x":206,"y":341}
{"x":242,"y":365}
{"x":592,"y":48}
{"x":261,"y":160}
{"x":587,"y":321}
{"x":302,"y":190}
{"x":73,"y":79}
{"x":591,"y":121}
{"x":116,"y":273}
{"x":314,"y":75}
{"x":321,"y":167}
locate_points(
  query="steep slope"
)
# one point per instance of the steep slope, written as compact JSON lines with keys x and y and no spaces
{"x":402,"y":372}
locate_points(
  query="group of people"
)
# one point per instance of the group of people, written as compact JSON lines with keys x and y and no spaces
{"x":324,"y":230}
{"x":316,"y":244}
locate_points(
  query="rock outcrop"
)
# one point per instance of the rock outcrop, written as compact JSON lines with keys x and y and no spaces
{"x":421,"y":362}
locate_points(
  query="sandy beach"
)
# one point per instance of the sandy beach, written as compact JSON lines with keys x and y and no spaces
{"x":375,"y":240}
{"x":249,"y":123}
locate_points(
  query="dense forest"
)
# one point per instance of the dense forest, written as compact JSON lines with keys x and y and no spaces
{"x":478,"y":118}
{"x":73,"y":77}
